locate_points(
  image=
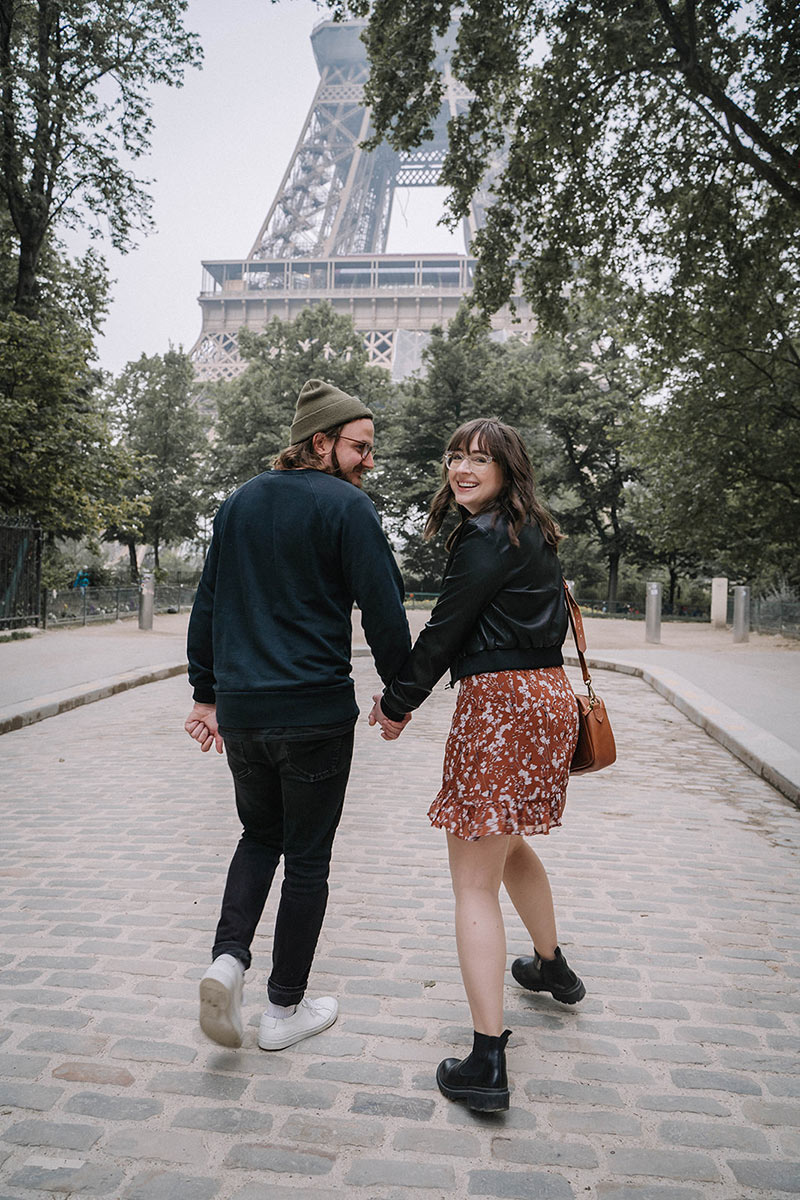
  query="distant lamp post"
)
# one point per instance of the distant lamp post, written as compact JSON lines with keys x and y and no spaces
{"x":147,"y":590}
{"x":652,"y":623}
{"x":741,"y":614}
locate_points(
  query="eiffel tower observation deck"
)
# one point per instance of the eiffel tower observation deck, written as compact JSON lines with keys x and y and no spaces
{"x":325,"y":235}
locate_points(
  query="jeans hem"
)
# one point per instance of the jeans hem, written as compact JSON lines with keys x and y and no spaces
{"x":244,"y":956}
{"x":284,"y":996}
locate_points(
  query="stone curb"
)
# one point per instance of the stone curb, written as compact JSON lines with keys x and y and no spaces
{"x":58,"y":702}
{"x":766,"y":755}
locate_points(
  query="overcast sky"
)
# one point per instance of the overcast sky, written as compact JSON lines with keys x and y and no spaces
{"x":219,"y":150}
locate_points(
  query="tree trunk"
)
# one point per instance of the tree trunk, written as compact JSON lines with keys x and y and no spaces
{"x":613,"y":576}
{"x":673,"y":584}
{"x":25,"y":300}
{"x":133,"y":562}
{"x":155,"y":555}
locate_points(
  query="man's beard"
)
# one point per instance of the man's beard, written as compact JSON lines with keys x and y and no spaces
{"x":353,"y":476}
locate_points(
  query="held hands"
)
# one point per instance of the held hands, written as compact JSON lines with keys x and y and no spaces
{"x":389,"y":729}
{"x":201,"y":724}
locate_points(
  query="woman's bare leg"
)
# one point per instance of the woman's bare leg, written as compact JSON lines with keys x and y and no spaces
{"x":528,"y":887}
{"x":476,"y":869}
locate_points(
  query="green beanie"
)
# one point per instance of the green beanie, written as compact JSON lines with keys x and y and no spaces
{"x":321,"y":406}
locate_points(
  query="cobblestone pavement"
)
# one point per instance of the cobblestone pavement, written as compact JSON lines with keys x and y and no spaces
{"x":678,"y":892}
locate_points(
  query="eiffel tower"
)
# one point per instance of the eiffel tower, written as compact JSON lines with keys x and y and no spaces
{"x":325,"y":235}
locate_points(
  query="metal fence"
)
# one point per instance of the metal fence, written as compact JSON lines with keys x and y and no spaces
{"x":766,"y":616}
{"x":776,"y":616}
{"x":633,"y":608}
{"x":20,"y":572}
{"x":84,"y":606}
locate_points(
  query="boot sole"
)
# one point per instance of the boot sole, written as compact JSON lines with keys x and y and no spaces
{"x":215,"y":1014}
{"x":573,"y":996}
{"x":488,"y":1100}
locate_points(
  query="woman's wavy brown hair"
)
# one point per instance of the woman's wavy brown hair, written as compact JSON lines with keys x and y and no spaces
{"x":516,"y":503}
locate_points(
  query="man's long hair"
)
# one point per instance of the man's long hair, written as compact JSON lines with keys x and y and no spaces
{"x":303,"y":454}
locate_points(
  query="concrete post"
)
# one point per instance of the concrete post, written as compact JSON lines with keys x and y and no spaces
{"x":146,"y":597}
{"x":652,"y":623}
{"x":719,"y":602}
{"x":741,"y":614}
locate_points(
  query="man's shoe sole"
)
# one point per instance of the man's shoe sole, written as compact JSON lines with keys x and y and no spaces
{"x":215,"y":1014}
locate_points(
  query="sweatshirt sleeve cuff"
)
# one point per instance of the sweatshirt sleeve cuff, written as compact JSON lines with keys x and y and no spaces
{"x":204,"y":695}
{"x":391,"y":713}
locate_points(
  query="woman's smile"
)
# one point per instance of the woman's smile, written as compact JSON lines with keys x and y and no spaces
{"x":475,"y":488}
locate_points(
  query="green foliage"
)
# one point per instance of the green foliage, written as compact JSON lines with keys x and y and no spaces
{"x":588,"y":384}
{"x":158,"y":422}
{"x":570,"y":395}
{"x":62,"y":560}
{"x":655,"y":141}
{"x":57,"y":461}
{"x":622,"y":124}
{"x":75,"y":113}
{"x":74,"y":117}
{"x":255,"y":410}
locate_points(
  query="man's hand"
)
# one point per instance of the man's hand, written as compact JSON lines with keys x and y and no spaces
{"x":389,"y":729}
{"x":201,"y":724}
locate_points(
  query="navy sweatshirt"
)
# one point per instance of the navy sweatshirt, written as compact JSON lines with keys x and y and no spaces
{"x":270,"y":632}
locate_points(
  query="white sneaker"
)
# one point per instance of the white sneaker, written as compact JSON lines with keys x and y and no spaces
{"x":310,"y":1017}
{"x":221,"y":991}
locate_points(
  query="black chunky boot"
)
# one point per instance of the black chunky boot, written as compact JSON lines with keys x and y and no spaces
{"x":555,"y":976}
{"x":480,"y":1079}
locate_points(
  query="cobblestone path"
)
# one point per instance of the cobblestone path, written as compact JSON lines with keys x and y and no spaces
{"x":678,"y":894}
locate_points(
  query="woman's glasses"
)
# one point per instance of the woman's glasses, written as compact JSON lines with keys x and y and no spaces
{"x":478,"y":461}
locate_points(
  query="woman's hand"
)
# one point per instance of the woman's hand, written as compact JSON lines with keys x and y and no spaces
{"x":390,"y":730}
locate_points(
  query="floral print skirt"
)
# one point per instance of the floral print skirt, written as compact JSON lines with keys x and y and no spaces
{"x":507,"y":758}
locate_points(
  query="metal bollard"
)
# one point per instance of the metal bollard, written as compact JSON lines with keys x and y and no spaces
{"x":652,"y":624}
{"x":741,"y":614}
{"x":146,"y":597}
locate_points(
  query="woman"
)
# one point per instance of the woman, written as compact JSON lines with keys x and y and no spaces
{"x":499,"y":625}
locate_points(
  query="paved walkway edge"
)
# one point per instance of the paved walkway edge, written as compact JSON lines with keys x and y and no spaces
{"x":766,"y":755}
{"x":59,"y":702}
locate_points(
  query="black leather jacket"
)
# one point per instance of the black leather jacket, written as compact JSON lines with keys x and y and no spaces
{"x":501,"y":608}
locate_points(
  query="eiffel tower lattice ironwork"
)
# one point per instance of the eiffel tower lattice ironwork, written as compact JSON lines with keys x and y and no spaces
{"x":325,"y":235}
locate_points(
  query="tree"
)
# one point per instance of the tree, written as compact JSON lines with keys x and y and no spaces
{"x":657,"y":141}
{"x":610,"y":128}
{"x":587,"y":386}
{"x":58,"y":463}
{"x":159,"y":424}
{"x":719,"y":466}
{"x":255,"y":410}
{"x":75,"y":111}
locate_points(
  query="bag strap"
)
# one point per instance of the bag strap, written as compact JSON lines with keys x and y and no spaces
{"x":576,"y":622}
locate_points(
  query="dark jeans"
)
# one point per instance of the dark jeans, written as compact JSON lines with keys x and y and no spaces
{"x":289,"y":795}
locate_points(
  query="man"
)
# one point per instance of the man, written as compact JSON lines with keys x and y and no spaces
{"x":269,"y":650}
